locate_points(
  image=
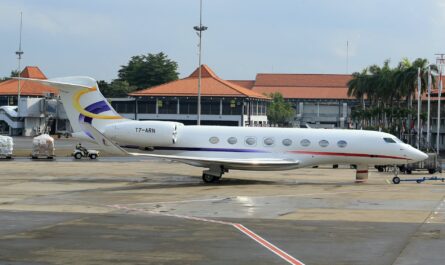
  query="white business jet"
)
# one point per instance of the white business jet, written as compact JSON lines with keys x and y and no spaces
{"x":221,"y":148}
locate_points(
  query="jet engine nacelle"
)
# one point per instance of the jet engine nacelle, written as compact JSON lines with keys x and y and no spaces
{"x":143,"y":133}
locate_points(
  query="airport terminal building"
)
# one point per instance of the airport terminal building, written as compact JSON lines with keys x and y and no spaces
{"x":320,"y":100}
{"x":222,"y":102}
{"x":38,"y":106}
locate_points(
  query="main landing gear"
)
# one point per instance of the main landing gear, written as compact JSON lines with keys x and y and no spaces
{"x":213,"y":174}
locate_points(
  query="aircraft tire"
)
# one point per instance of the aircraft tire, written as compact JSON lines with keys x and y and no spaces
{"x":396,"y":180}
{"x":209,"y":178}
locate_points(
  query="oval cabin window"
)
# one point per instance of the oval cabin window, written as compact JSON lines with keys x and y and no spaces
{"x":342,"y":144}
{"x":323,"y":143}
{"x":214,"y":140}
{"x":287,"y":142}
{"x":268,"y":141}
{"x":250,"y":140}
{"x":232,"y":140}
{"x":305,"y":142}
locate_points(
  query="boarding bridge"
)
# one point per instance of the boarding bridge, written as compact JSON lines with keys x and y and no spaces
{"x":10,"y":123}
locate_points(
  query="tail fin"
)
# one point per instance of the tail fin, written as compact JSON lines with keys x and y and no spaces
{"x":83,"y":103}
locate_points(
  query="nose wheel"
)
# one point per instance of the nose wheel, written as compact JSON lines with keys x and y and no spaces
{"x":395,"y":179}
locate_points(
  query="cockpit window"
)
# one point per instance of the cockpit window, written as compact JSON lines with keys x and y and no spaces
{"x":389,"y":140}
{"x":398,"y":140}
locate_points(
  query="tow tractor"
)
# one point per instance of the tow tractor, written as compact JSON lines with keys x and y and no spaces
{"x":81,"y":151}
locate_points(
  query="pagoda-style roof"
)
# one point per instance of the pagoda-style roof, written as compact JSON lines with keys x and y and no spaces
{"x":10,"y":87}
{"x":211,"y":86}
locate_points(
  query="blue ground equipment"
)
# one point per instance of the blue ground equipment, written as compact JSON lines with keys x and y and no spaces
{"x":397,"y":180}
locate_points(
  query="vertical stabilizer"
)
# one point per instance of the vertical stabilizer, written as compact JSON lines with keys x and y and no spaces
{"x":83,"y":103}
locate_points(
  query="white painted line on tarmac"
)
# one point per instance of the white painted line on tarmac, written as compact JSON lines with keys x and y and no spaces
{"x":263,"y":242}
{"x":170,"y":215}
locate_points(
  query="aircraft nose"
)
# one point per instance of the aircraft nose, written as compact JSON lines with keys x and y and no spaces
{"x":418,"y":155}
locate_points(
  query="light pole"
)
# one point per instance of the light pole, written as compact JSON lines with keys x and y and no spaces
{"x":419,"y":98}
{"x":19,"y":54}
{"x":199,"y":29}
{"x":428,"y":136}
{"x":440,"y":60}
{"x":347,"y":57}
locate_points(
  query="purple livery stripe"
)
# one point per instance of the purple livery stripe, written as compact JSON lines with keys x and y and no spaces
{"x":96,"y":108}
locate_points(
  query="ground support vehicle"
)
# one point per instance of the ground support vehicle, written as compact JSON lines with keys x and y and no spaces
{"x":43,"y":147}
{"x":81,"y":151}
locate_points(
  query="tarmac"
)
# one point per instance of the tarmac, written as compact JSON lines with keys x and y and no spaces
{"x":148,"y":211}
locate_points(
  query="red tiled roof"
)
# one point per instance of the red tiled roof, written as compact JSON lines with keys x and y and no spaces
{"x":305,"y":86}
{"x":10,"y":87}
{"x":32,"y":72}
{"x":211,"y":85}
{"x":244,"y":83}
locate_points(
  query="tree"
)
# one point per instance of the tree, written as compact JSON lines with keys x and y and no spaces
{"x":14,"y":73}
{"x":358,"y":86}
{"x":385,"y":88}
{"x":115,"y":89}
{"x":406,"y":77}
{"x":279,"y":112}
{"x":144,"y":71}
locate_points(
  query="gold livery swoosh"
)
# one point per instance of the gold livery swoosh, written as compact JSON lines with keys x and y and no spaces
{"x":80,"y":109}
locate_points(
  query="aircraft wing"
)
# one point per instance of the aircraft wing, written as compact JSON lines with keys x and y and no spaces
{"x":251,"y":163}
{"x":234,"y":163}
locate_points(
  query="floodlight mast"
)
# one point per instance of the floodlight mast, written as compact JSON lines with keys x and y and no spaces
{"x":347,"y":57}
{"x":199,"y":29}
{"x":19,"y":54}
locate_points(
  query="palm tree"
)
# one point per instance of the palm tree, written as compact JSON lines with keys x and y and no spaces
{"x":406,"y":77}
{"x":385,"y":88}
{"x":357,"y":86}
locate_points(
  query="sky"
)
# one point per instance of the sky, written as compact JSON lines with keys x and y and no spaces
{"x":244,"y":37}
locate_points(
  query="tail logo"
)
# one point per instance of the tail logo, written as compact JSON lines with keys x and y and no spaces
{"x":87,"y":112}
{"x":92,"y":111}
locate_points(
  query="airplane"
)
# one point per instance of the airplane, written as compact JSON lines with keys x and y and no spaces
{"x":223,"y":148}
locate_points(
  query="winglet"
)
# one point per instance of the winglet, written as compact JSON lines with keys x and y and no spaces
{"x":106,"y":144}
